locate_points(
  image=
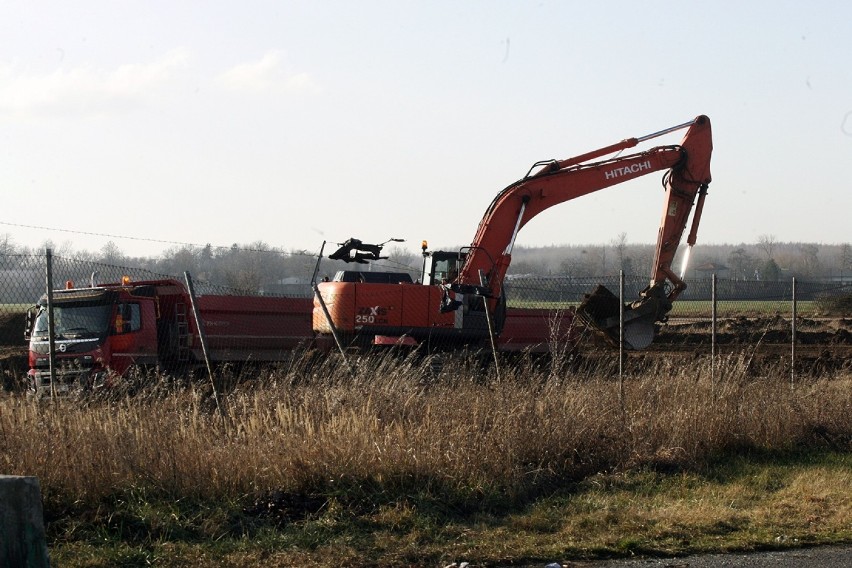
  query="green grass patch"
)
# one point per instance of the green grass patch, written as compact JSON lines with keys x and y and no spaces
{"x":14,"y":308}
{"x":743,"y":502}
{"x":732,"y":308}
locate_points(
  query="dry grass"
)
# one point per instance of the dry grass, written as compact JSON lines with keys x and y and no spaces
{"x":398,"y":435}
{"x":396,"y":423}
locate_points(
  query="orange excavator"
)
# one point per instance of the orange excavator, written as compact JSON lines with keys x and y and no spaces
{"x":459,"y":298}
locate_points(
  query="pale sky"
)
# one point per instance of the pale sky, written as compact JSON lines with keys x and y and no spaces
{"x":294,"y":122}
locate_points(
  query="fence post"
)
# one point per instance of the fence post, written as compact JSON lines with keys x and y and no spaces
{"x":202,"y":336}
{"x":22,"y":538}
{"x":621,"y":337}
{"x":51,"y":335}
{"x":793,"y":339}
{"x":713,"y":323}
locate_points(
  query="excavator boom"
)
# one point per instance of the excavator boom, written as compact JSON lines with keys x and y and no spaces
{"x":687,"y":177}
{"x":465,"y":303}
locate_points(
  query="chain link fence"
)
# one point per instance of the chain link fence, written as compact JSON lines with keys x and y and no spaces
{"x":735,"y":297}
{"x":747,"y":311}
{"x":739,"y":312}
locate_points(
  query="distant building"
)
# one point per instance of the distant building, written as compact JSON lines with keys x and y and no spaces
{"x":708,"y":269}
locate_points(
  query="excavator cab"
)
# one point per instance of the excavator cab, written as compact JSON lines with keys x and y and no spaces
{"x":442,"y":267}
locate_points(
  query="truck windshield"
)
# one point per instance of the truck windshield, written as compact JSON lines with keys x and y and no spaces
{"x":74,"y":320}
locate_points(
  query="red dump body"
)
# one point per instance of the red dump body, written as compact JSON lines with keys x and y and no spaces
{"x":253,"y":328}
{"x":103,"y":331}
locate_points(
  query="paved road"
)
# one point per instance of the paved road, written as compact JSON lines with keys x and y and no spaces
{"x":820,"y":557}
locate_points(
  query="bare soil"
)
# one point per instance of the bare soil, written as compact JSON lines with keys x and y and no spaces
{"x":822,"y":344}
{"x":751,"y":330}
{"x":13,"y":350}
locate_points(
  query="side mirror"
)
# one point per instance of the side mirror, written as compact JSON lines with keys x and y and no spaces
{"x":30,"y":320}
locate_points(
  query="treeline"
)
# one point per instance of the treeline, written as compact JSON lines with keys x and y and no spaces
{"x":252,"y":268}
{"x":766,"y":260}
{"x":259,"y":267}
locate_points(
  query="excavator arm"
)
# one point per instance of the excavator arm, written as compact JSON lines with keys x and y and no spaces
{"x":687,"y":176}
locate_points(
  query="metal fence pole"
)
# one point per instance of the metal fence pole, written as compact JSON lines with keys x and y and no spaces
{"x":713,"y":323}
{"x":202,"y":336}
{"x":51,"y":335}
{"x":793,"y":339}
{"x":621,"y":337}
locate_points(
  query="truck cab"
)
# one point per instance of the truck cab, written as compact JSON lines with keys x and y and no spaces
{"x":101,"y":332}
{"x":96,"y":331}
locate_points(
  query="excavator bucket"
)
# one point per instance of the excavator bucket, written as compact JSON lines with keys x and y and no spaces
{"x":599,"y":312}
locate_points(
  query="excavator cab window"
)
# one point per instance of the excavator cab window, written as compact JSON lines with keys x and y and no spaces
{"x":445,"y":266}
{"x":445,"y":270}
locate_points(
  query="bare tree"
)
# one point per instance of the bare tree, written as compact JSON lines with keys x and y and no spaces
{"x":740,"y":263}
{"x":620,"y":245}
{"x":767,"y":244}
{"x":7,"y":245}
{"x":592,"y":261}
{"x":809,"y":259}
{"x":844,"y":258}
{"x":111,"y":254}
{"x":400,"y":258}
{"x":181,"y":259}
{"x":65,"y":249}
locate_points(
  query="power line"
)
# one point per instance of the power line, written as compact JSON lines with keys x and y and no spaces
{"x":311,"y":255}
{"x":145,"y":239}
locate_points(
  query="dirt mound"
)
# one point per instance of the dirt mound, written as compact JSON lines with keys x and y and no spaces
{"x":12,"y":329}
{"x":744,"y":330}
{"x":13,"y":350}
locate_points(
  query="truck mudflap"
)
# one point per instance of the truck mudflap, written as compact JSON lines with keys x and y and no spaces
{"x":599,"y":312}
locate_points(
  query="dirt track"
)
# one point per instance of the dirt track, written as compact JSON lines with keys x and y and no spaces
{"x":823,"y":344}
{"x":828,"y":332}
{"x":818,"y":557}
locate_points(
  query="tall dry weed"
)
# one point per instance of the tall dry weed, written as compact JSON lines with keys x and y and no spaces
{"x":404,"y":424}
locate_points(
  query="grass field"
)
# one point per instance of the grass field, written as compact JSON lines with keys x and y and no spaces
{"x":14,"y":308}
{"x":703,"y":308}
{"x":400,"y":467}
{"x":732,"y":308}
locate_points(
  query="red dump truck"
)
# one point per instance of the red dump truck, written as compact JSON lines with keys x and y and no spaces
{"x":102,"y":331}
